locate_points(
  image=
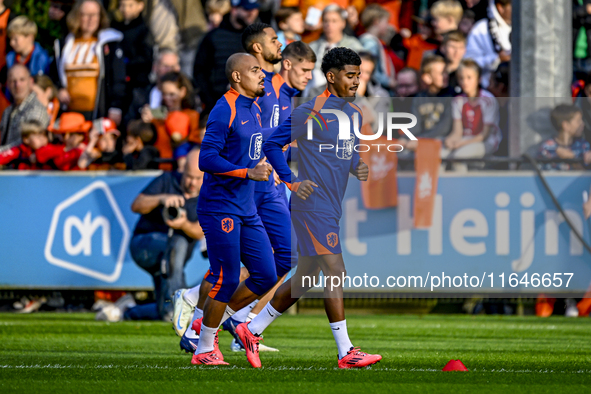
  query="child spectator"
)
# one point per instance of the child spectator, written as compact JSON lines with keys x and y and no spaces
{"x":18,"y":156}
{"x":446,"y":15}
{"x":47,"y":95}
{"x":75,"y":129}
{"x":432,"y":110}
{"x":101,"y":153}
{"x":418,"y":44}
{"x":137,"y":43}
{"x":22,"y":32}
{"x":290,"y":22}
{"x":177,"y":122}
{"x":375,"y":20}
{"x":216,"y":9}
{"x":568,"y":144}
{"x":467,"y":22}
{"x":34,"y":152}
{"x":453,"y":49}
{"x":139,"y":152}
{"x":407,"y":85}
{"x":475,"y":131}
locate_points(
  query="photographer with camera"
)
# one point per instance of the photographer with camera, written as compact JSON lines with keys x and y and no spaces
{"x":165,"y":235}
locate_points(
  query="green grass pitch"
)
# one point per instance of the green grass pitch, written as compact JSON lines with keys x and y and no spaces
{"x":72,"y":353}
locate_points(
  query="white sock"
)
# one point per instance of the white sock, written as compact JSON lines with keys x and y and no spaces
{"x":263,"y":319}
{"x":206,"y":340}
{"x":243,"y":313}
{"x":251,"y":316}
{"x":191,"y":296}
{"x":228,"y":313}
{"x":198,"y":314}
{"x":339,"y":331}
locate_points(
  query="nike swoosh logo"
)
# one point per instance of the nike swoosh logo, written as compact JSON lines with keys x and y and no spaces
{"x":336,"y":329}
{"x":270,"y":314}
{"x":332,"y":120}
{"x":178,"y":323}
{"x":268,"y":94}
{"x":284,"y":108}
{"x":246,"y":121}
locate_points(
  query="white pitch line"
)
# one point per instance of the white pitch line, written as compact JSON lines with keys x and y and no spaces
{"x":232,"y":368}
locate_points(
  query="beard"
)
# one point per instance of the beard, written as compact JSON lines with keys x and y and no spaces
{"x":272,"y":58}
{"x":260,"y":92}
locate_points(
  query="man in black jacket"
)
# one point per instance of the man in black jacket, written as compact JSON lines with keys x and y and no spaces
{"x":216,"y":48}
{"x":137,"y":44}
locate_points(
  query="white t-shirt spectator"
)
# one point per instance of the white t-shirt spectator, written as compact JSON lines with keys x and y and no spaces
{"x":476,"y":113}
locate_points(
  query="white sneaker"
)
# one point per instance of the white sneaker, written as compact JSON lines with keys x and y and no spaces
{"x":33,"y":305}
{"x":265,"y":348}
{"x":571,"y":308}
{"x":183,"y":311}
{"x":111,"y":313}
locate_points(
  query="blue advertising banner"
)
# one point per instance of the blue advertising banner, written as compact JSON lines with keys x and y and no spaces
{"x":72,"y":230}
{"x":495,"y":227}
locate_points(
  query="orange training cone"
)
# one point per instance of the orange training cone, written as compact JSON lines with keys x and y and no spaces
{"x":455,"y":365}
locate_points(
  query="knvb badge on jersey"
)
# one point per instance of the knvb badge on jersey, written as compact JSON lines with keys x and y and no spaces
{"x":345,"y":144}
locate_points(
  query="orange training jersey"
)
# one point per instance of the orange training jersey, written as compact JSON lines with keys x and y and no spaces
{"x":82,"y":71}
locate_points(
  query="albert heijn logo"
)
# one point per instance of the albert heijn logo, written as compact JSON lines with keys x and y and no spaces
{"x":88,"y":234}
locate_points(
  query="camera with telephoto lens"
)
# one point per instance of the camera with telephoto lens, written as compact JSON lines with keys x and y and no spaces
{"x":172,"y":213}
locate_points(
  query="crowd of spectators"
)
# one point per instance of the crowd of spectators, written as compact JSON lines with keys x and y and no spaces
{"x":130,"y":83}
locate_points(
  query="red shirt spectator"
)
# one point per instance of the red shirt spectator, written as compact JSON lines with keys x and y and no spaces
{"x":75,"y":128}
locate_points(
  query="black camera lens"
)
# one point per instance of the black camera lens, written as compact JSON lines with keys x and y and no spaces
{"x":173,"y":212}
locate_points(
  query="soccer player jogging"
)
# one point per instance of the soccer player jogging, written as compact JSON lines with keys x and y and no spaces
{"x":316,"y":206}
{"x":296,"y":71}
{"x":260,"y":40}
{"x":231,"y":158}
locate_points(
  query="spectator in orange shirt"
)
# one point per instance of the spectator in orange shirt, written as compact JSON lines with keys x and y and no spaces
{"x":176,"y":121}
{"x":89,"y":68}
{"x":419,"y":43}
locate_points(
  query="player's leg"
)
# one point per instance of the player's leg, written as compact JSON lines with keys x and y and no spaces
{"x":224,"y":257}
{"x":275,"y":216}
{"x":257,"y":256}
{"x":333,"y":266}
{"x":249,"y":333}
{"x":196,"y":297}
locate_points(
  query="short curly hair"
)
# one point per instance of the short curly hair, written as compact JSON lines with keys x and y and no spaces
{"x":338,"y":58}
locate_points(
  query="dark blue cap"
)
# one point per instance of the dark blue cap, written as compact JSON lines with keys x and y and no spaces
{"x":246,"y":4}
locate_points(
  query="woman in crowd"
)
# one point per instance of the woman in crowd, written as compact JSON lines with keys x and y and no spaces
{"x":89,"y":68}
